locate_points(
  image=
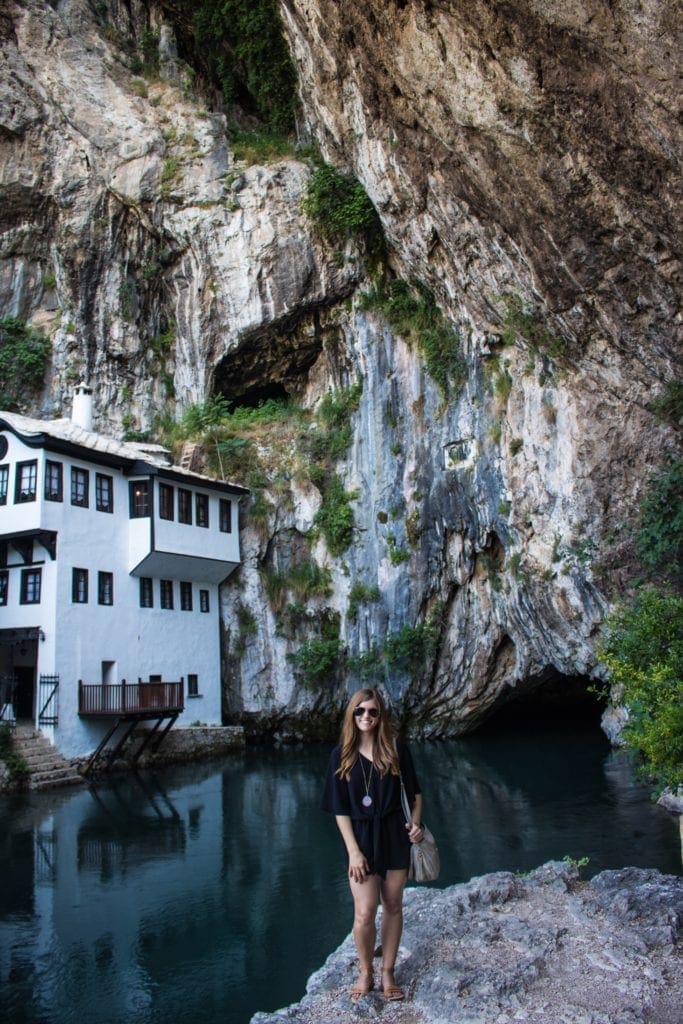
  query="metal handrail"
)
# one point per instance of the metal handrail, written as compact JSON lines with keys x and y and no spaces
{"x":124,"y":698}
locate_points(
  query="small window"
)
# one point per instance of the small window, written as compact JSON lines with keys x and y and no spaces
{"x":225,"y":515}
{"x":201,"y":509}
{"x":25,"y":486}
{"x":204,"y":600}
{"x":30,"y":586}
{"x":146,"y":592}
{"x":79,"y":586}
{"x":192,"y":684}
{"x":104,"y":493}
{"x":139,"y":499}
{"x":54,"y":490}
{"x":80,"y":484}
{"x":105,"y":588}
{"x":4,"y":586}
{"x":165,"y":501}
{"x":166,"y":593}
{"x":185,"y":597}
{"x":184,"y":506}
{"x":4,"y":483}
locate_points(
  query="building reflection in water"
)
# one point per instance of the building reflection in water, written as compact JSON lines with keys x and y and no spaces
{"x":204,"y":893}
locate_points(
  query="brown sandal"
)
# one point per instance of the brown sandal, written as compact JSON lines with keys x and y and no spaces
{"x":360,"y":987}
{"x":392,"y":992}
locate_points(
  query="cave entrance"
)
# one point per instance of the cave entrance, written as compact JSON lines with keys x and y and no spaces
{"x":550,"y":698}
{"x":260,"y":393}
{"x":270,"y":366}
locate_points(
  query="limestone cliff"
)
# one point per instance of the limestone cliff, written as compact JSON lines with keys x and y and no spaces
{"x":522,"y":159}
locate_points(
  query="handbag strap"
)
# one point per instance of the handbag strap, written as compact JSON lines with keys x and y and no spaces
{"x":405,"y":805}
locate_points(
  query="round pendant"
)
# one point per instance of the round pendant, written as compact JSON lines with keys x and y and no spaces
{"x":367,"y":801}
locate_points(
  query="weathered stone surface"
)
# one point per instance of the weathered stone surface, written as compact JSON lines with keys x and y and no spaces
{"x":539,"y":948}
{"x":524,"y":149}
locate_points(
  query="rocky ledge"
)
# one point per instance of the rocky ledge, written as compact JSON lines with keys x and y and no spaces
{"x":545,"y":948}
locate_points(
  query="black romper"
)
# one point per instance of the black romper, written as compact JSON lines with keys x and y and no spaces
{"x":379,"y":829}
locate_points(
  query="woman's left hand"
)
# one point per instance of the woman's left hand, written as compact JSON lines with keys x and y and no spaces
{"x":415,"y":832}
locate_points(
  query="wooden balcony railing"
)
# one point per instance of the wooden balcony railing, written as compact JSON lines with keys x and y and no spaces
{"x":99,"y":700}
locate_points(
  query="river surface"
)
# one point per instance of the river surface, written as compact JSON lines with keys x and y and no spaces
{"x":200,"y":894}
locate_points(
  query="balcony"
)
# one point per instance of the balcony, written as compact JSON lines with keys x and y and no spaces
{"x":109,"y":700}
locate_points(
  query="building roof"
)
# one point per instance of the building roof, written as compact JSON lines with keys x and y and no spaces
{"x":141,"y":458}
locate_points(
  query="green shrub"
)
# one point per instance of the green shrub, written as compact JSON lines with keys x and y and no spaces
{"x":254,"y":147}
{"x":643,"y":650}
{"x":360,"y":594}
{"x":15,"y":763}
{"x":341,"y":208}
{"x":334,"y":518}
{"x":305,"y":579}
{"x":318,"y":658}
{"x":520,"y":322}
{"x":669,"y":406}
{"x":412,"y":647}
{"x":413,"y":313}
{"x":24,"y":356}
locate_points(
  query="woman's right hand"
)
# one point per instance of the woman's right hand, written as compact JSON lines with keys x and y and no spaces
{"x":358,"y":867}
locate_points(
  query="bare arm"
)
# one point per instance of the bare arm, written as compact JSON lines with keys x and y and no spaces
{"x":358,"y":866}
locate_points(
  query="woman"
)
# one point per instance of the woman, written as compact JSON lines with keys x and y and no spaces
{"x":362,"y":789}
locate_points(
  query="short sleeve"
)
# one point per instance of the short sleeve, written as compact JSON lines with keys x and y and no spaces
{"x":408,"y":774}
{"x":335,"y":799}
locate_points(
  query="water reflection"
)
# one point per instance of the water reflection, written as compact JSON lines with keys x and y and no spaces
{"x":204,"y":893}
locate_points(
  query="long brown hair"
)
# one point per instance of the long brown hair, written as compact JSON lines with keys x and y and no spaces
{"x":384,"y":753}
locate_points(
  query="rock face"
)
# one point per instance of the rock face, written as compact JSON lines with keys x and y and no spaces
{"x":539,"y":949}
{"x":521,"y":158}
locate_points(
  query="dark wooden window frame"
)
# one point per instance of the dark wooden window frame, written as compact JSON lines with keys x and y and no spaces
{"x":104,"y":495}
{"x":80,"y":487}
{"x":184,"y":506}
{"x":30,"y":493}
{"x":79,"y":586}
{"x":166,"y":501}
{"x":54,"y":481}
{"x":105,"y":588}
{"x":31,"y":583}
{"x":225,"y":515}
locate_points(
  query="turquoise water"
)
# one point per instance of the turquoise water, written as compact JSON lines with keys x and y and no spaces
{"x":204,"y":893}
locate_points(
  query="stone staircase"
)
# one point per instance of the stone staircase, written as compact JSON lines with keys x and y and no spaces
{"x":47,"y":766}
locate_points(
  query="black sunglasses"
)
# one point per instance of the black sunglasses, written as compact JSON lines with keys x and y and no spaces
{"x":359,"y":712}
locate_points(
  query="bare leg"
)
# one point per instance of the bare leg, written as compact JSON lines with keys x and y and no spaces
{"x":365,"y":900}
{"x":392,"y":927}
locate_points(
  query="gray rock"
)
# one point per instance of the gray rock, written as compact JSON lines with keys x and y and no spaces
{"x":544,"y":948}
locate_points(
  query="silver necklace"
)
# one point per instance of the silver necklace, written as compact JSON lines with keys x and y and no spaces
{"x":367,"y":799}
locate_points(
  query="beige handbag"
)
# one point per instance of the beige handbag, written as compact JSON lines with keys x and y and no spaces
{"x":425,"y":863}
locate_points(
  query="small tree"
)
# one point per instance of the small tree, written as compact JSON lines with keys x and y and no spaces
{"x":643,"y":650}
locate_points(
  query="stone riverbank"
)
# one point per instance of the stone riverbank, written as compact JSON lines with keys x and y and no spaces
{"x":545,"y":948}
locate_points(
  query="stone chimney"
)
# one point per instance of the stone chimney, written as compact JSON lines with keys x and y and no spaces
{"x":81,"y":411}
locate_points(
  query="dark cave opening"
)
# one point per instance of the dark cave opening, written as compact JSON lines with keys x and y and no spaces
{"x":258,"y":394}
{"x":550,"y":698}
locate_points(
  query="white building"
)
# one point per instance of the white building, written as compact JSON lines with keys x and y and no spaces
{"x":110,"y":563}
